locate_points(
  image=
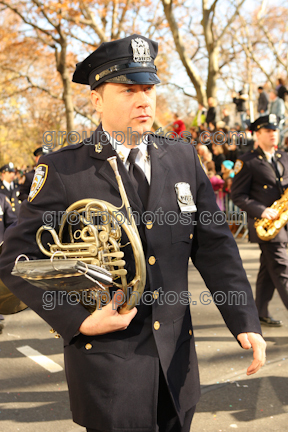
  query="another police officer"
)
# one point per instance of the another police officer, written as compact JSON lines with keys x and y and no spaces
{"x":8,"y":187}
{"x":261,"y":176}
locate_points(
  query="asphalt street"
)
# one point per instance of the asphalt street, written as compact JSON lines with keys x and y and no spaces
{"x":33,"y":390}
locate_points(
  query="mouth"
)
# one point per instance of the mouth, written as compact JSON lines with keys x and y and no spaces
{"x":143,"y":117}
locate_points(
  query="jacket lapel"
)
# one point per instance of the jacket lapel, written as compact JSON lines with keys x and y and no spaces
{"x":103,"y":152}
{"x":159,"y":172}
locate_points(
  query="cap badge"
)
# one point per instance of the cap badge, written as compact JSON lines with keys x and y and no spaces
{"x":141,"y":51}
{"x":273,"y":119}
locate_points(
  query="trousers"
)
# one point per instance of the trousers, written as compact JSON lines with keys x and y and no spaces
{"x":273,"y":273}
{"x":167,"y":419}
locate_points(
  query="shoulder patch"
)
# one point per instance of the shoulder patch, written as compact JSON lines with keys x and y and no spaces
{"x":238,"y":166}
{"x":38,"y":182}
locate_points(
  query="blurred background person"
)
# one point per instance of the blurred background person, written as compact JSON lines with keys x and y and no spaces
{"x":8,"y":187}
{"x":178,"y":126}
{"x":240,"y":100}
{"x":281,"y":89}
{"x":200,"y":117}
{"x":263,"y":102}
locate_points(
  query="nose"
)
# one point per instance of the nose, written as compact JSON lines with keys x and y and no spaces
{"x":142,"y":99}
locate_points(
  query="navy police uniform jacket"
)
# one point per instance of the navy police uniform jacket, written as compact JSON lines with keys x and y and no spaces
{"x":255,"y":188}
{"x":7,"y":216}
{"x":113,"y":378}
{"x":12,"y":195}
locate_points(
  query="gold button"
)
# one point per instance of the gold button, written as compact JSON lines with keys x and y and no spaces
{"x":281,"y":178}
{"x":191,"y":236}
{"x":265,"y":186}
{"x":190,"y":332}
{"x":97,"y":77}
{"x":155,"y":294}
{"x":156,"y":325}
{"x":152,"y":260}
{"x":260,"y":157}
{"x":19,"y":201}
{"x":12,"y":199}
{"x":13,"y":209}
{"x":149,"y":225}
{"x":2,"y":187}
{"x":88,"y":346}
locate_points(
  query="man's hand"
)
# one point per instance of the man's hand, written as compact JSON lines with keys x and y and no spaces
{"x":107,"y":319}
{"x":257,"y":343}
{"x":270,"y":214}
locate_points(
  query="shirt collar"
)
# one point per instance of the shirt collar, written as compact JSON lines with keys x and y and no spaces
{"x":123,"y":152}
{"x":269,"y":156}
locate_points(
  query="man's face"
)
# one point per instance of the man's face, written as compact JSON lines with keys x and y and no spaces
{"x":272,"y":96}
{"x":8,"y":176}
{"x":267,"y":137}
{"x":126,"y":105}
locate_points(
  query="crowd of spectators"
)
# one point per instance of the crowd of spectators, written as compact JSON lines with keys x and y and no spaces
{"x":218,"y":159}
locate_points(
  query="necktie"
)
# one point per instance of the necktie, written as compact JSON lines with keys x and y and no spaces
{"x":138,"y":177}
{"x":278,"y":177}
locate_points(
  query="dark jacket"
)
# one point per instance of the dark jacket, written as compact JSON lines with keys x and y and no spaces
{"x":254,"y":188}
{"x":282,"y":91}
{"x":263,"y":102}
{"x":211,"y":115}
{"x":12,"y":195}
{"x":24,"y":188}
{"x":7,"y":216}
{"x":113,"y":385}
{"x":241,"y":104}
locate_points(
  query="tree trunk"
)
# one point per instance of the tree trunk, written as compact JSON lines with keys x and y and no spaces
{"x":187,"y":63}
{"x":66,"y":80}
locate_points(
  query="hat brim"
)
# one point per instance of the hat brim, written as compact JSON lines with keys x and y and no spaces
{"x":267,"y":126}
{"x":134,"y":78}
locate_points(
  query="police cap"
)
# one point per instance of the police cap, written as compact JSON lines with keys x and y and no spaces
{"x":268,"y":122}
{"x":124,"y":61}
{"x":43,"y":150}
{"x":7,"y":167}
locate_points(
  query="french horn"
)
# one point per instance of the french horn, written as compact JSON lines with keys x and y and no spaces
{"x":100,"y":244}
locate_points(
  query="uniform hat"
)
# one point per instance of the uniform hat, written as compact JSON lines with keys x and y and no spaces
{"x":268,"y":122}
{"x":41,"y":151}
{"x":124,"y":61}
{"x":7,"y":167}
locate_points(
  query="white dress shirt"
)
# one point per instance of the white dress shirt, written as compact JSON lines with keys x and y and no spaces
{"x":142,"y":159}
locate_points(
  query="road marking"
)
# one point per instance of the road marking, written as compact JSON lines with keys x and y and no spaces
{"x":40,"y":359}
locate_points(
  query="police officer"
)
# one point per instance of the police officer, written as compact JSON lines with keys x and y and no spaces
{"x":261,"y":176}
{"x":7,"y":217}
{"x":8,"y":187}
{"x":136,"y":371}
{"x":24,"y":188}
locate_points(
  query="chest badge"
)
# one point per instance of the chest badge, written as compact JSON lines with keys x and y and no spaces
{"x":185,"y":198}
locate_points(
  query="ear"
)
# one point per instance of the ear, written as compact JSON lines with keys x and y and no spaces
{"x":97,"y":101}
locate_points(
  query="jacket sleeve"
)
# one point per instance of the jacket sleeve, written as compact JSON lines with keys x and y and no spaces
{"x":240,"y":193}
{"x":51,"y":198}
{"x":216,"y":256}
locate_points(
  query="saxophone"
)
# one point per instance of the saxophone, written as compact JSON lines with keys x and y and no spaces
{"x":268,"y":229}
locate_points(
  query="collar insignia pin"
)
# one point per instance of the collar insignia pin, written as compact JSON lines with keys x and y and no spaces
{"x":98,"y":148}
{"x":121,"y":156}
{"x":155,"y":145}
